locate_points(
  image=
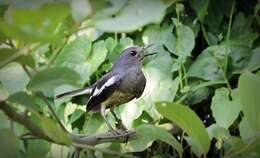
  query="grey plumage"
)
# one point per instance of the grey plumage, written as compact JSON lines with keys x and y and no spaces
{"x":124,"y":82}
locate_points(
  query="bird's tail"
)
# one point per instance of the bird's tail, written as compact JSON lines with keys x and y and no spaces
{"x":86,"y":90}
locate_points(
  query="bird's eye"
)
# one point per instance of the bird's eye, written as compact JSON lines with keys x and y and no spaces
{"x":133,"y":53}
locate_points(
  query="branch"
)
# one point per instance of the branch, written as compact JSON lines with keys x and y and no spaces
{"x":53,"y":113}
{"x":103,"y":138}
{"x":24,"y":120}
{"x":78,"y":141}
{"x":107,"y":151}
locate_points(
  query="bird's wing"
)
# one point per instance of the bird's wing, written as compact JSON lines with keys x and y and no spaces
{"x":86,"y":90}
{"x":104,"y":88}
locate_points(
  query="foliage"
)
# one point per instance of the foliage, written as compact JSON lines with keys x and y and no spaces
{"x":201,"y":97}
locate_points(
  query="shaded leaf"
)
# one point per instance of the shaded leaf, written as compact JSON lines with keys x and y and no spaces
{"x":208,"y":64}
{"x":37,"y":148}
{"x":254,"y":62}
{"x":185,"y":118}
{"x":9,"y":144}
{"x":200,"y":6}
{"x":50,"y":78}
{"x":242,"y":32}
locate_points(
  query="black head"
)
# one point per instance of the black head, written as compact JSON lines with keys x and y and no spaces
{"x":132,"y":56}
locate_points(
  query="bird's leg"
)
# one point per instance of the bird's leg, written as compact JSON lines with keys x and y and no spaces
{"x":102,"y":111}
{"x":119,"y":124}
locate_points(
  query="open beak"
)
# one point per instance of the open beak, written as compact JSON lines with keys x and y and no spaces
{"x":148,"y":46}
{"x":145,"y":47}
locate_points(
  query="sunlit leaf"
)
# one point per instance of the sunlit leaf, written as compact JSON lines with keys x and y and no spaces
{"x":225,"y":107}
{"x":34,"y":20}
{"x":3,"y":93}
{"x":149,"y":133}
{"x":23,"y":99}
{"x":80,"y":9}
{"x":134,"y":15}
{"x":6,"y":54}
{"x":14,"y":78}
{"x":249,"y":88}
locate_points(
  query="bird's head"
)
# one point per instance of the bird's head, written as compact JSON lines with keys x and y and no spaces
{"x":133,"y":56}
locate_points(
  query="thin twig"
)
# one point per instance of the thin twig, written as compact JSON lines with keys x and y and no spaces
{"x":47,"y":103}
{"x":13,"y":115}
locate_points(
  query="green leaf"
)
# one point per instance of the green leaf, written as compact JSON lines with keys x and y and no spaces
{"x":147,"y":134}
{"x":130,"y":111}
{"x":78,"y":56}
{"x":246,"y":131}
{"x":34,"y":20}
{"x":134,"y":15}
{"x":9,"y":144}
{"x":242,"y":32}
{"x":185,"y":41}
{"x":160,"y":86}
{"x":249,"y":90}
{"x":37,"y":148}
{"x":80,"y":9}
{"x":52,"y":130}
{"x":225,"y":107}
{"x":160,"y":36}
{"x":76,"y":115}
{"x":219,"y":133}
{"x":23,"y":99}
{"x":10,"y":80}
{"x":103,"y":10}
{"x":254,"y":62}
{"x":185,"y":118}
{"x":240,"y":56}
{"x":50,"y":78}
{"x":94,"y":124}
{"x":208,"y":64}
{"x":6,"y":54}
{"x":200,"y":6}
{"x":4,"y":94}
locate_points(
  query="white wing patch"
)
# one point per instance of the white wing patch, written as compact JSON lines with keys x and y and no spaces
{"x":109,"y":82}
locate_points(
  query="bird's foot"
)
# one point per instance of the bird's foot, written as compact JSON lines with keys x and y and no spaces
{"x":121,"y":127}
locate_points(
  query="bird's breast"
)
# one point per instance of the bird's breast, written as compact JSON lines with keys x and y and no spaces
{"x":118,"y":98}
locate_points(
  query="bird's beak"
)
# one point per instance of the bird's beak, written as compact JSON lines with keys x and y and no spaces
{"x":146,"y":55}
{"x":147,"y":46}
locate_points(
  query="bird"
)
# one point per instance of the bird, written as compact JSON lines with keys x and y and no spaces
{"x":121,"y":84}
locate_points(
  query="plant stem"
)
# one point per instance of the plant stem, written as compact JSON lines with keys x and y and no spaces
{"x":47,"y":103}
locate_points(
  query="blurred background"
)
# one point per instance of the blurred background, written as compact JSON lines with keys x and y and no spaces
{"x":202,"y":93}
